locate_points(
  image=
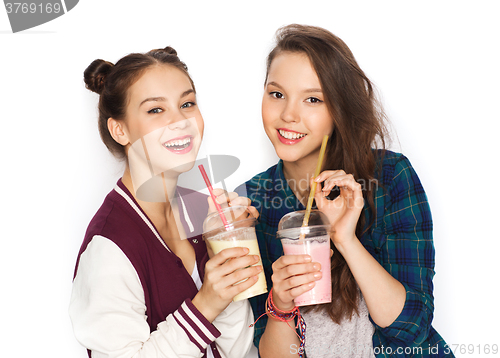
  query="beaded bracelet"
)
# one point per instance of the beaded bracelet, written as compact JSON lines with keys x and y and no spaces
{"x":286,"y":316}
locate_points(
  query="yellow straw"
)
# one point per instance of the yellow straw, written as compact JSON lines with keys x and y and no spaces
{"x":313,"y":187}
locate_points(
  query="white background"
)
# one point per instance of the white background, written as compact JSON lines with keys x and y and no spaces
{"x":436,"y":65}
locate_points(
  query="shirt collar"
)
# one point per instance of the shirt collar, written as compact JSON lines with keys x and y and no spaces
{"x":282,"y":188}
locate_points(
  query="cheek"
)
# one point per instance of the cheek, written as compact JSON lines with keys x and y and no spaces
{"x":326,"y":122}
{"x":201,"y":126}
{"x":141,"y":128}
{"x":133,"y":132}
{"x":267,"y":112}
{"x":330,"y":126}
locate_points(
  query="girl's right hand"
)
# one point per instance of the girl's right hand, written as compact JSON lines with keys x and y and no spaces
{"x":222,"y":272}
{"x":225,"y":199}
{"x":292,"y":276}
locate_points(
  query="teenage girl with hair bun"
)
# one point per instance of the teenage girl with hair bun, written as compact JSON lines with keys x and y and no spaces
{"x":143,"y":283}
{"x":381,"y":226}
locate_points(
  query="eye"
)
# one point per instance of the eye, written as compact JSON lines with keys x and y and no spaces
{"x":155,"y":110}
{"x":188,"y":104}
{"x":276,"y":94}
{"x":313,"y":100}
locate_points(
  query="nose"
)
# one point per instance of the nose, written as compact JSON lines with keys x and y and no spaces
{"x":290,"y":112}
{"x":179,"y":123}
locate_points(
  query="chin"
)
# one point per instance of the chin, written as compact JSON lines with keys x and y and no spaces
{"x":287,"y":155}
{"x":183,"y":167}
{"x":187,"y":166}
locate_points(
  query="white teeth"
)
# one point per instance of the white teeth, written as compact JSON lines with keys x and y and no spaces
{"x":291,"y":135}
{"x":177,"y":143}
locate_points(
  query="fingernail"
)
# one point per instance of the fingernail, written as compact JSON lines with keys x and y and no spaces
{"x":307,"y":259}
{"x":316,"y":267}
{"x":317,"y":275}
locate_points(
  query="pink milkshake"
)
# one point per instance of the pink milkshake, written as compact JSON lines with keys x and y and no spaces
{"x":319,"y":249}
{"x":313,"y":240}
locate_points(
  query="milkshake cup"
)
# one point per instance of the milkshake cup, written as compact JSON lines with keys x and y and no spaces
{"x":315,"y":242}
{"x":239,"y":232}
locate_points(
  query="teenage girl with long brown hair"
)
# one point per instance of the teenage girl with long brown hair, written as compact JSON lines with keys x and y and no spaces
{"x":381,"y":225}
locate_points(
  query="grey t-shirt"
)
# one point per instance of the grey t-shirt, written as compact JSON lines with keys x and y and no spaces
{"x":327,"y":339}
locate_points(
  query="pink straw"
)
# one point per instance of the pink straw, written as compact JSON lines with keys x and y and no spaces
{"x":211,"y":190}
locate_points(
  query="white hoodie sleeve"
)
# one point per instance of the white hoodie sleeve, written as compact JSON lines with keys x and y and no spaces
{"x":236,"y":336}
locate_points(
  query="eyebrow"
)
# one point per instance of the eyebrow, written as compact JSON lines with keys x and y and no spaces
{"x":309,"y":90}
{"x":163,"y":99}
{"x":153,"y":99}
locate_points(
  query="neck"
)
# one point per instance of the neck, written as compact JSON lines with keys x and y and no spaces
{"x":163,"y":214}
{"x":298,"y":176}
{"x":169,"y":187}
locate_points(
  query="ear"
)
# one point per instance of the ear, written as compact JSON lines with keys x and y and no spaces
{"x":117,"y":131}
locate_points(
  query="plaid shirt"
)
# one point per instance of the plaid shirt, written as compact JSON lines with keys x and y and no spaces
{"x":400,"y":239}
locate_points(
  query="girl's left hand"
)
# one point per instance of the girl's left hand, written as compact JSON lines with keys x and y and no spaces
{"x":343,"y":212}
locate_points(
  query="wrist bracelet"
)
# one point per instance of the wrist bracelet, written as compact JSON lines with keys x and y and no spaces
{"x":286,"y":316}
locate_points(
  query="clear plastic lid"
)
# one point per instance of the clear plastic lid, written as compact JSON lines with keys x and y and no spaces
{"x":236,"y":217}
{"x":290,"y":225}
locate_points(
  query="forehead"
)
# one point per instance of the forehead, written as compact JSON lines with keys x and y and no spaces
{"x":293,"y":67}
{"x":162,"y":81}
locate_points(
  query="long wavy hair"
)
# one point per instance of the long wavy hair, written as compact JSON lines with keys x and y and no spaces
{"x":359,"y":128}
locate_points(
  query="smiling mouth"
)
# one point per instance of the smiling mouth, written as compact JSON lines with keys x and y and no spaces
{"x":178,"y":145}
{"x":291,"y":135}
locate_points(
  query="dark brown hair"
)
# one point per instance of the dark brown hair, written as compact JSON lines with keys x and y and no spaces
{"x":112,"y":82}
{"x":359,"y":127}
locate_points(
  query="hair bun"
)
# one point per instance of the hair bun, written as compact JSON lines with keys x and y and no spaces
{"x":95,"y":75}
{"x":170,"y":50}
{"x":167,"y":55}
{"x":164,"y":51}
